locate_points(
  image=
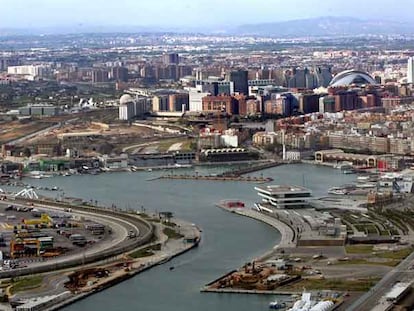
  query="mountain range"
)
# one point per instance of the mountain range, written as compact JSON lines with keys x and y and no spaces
{"x":327,"y":26}
{"x":321,"y":26}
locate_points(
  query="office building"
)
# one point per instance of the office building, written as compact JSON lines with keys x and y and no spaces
{"x":284,"y":196}
{"x":240,"y":80}
{"x":216,"y":87}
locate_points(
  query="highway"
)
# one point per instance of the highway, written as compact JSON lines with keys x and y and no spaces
{"x":369,"y":300}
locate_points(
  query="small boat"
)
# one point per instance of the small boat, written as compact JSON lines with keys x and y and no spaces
{"x":366,"y":185}
{"x":275,"y":305}
{"x":149,"y":170}
{"x":363,"y":178}
{"x":338,"y":191}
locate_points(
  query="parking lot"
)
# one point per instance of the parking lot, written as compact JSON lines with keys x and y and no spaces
{"x":29,"y":235}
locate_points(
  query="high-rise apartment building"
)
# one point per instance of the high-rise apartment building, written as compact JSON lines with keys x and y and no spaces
{"x":119,"y":74}
{"x":171,"y":59}
{"x":410,"y":70}
{"x":99,"y":76}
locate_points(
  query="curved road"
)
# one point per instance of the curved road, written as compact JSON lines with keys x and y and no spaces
{"x":119,"y":237}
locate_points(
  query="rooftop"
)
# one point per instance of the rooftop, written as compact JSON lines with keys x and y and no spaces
{"x":280,"y":189}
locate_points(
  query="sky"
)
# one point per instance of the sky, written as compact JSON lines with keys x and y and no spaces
{"x":189,"y":13}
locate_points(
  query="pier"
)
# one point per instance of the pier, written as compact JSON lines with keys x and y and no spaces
{"x":233,"y":175}
{"x":219,"y":178}
{"x":252,"y":169}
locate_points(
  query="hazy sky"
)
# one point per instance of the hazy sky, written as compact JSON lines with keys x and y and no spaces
{"x":217,"y":13}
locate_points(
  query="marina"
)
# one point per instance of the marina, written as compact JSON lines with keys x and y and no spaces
{"x":229,"y":253}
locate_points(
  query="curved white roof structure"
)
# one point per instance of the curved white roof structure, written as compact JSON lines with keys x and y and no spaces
{"x":350,"y":77}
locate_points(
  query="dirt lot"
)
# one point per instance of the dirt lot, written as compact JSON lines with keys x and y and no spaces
{"x":15,"y":129}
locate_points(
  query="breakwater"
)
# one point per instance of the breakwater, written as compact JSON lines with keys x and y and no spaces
{"x":219,"y":178}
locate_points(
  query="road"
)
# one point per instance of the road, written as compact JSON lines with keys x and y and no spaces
{"x":402,"y":272}
{"x":119,"y":237}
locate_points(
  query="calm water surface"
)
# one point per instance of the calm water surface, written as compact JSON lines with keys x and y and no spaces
{"x":228,"y":240}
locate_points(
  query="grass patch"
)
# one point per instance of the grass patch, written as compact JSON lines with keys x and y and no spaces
{"x":26,"y":284}
{"x":396,"y":255}
{"x":172,"y":234}
{"x":186,"y":144}
{"x":361,"y":285}
{"x":358,"y":249}
{"x":363,"y":261}
{"x":146,"y":251}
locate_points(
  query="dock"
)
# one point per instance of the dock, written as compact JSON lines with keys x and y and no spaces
{"x":248,"y":291}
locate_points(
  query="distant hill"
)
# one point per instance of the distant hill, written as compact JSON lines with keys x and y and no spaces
{"x":326,"y":26}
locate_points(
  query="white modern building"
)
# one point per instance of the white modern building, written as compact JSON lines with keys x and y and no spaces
{"x":130,"y":107}
{"x":410,"y":70}
{"x":285,"y":196}
{"x":195,"y":98}
{"x":27,"y":70}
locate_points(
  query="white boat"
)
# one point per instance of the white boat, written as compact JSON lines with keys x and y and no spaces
{"x":364,"y":178}
{"x":366,"y":185}
{"x":183,"y":165}
{"x":343,"y":165}
{"x":337,"y":191}
{"x":275,"y":305}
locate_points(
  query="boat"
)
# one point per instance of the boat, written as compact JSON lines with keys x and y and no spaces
{"x":343,"y":165}
{"x":275,"y":305}
{"x":366,"y":185}
{"x":182,"y":165}
{"x":367,"y":178}
{"x":337,"y":191}
{"x":363,"y":178}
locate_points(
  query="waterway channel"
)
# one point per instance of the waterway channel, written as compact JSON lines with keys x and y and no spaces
{"x":228,"y":240}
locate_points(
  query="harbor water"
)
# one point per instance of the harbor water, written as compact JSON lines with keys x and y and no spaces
{"x":228,"y":240}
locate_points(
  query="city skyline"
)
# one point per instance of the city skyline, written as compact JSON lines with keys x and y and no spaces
{"x":210,"y":15}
